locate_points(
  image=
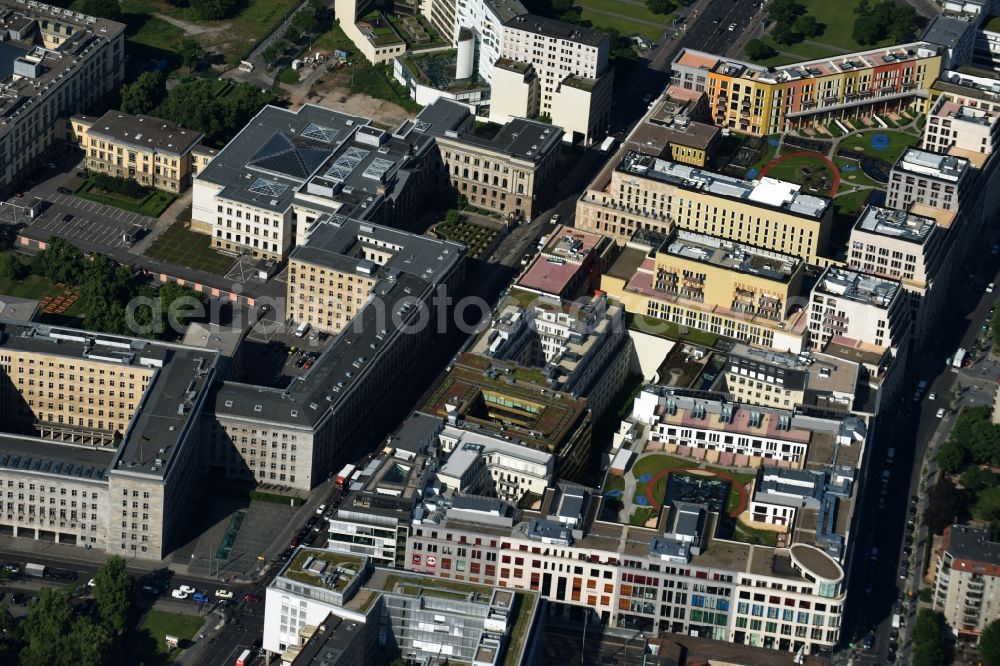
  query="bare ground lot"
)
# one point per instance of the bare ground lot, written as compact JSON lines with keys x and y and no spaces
{"x":335,"y":92}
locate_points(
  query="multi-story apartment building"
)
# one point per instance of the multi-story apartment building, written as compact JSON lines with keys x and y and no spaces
{"x":986,"y":47}
{"x":57,"y":62}
{"x":569,"y":265}
{"x":296,"y":435}
{"x":331,"y":278}
{"x":857,"y":306}
{"x":99,"y":438}
{"x":935,"y":180}
{"x":578,"y":347}
{"x":640,"y":191}
{"x":151,"y":151}
{"x":713,"y":284}
{"x":784,"y":381}
{"x":967,"y":580}
{"x":904,"y":246}
{"x":961,"y":130}
{"x":681,"y":577}
{"x":503,"y":399}
{"x":706,"y":426}
{"x":572,"y":73}
{"x":485,"y":464}
{"x":760,"y":100}
{"x":377,"y":614}
{"x":508,"y":172}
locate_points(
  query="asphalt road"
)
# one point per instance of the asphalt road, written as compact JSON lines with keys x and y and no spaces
{"x":910,"y":430}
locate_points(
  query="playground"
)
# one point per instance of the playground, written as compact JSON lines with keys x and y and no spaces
{"x":660,"y":479}
{"x":816,"y":173}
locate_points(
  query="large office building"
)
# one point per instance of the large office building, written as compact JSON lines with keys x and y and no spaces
{"x":100,"y":438}
{"x":152,"y":152}
{"x":332,"y":277}
{"x":360,"y":615}
{"x":967,"y":580}
{"x":638,"y":191}
{"x":579,"y":347}
{"x":760,"y":100}
{"x":296,"y":435}
{"x":503,"y":398}
{"x":961,"y":129}
{"x":678,"y":128}
{"x":568,"y":266}
{"x":712,"y":284}
{"x":56,"y":62}
{"x":681,"y":576}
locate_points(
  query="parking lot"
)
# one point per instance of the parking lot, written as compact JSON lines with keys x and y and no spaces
{"x":90,"y":222}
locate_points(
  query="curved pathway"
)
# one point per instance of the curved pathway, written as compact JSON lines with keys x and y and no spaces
{"x":823,"y":158}
{"x":656,"y":503}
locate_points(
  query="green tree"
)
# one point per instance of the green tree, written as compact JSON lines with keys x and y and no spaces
{"x":213,"y":10}
{"x":91,"y":643}
{"x":989,"y":644}
{"x":143,"y":95}
{"x":867,"y":30}
{"x":951,"y":456}
{"x":271,"y":53}
{"x":784,"y":33}
{"x":785,"y":11}
{"x":307,"y":19}
{"x":61,"y":262}
{"x":12,"y":268}
{"x":807,"y":26}
{"x":113,"y":594}
{"x":191,"y":53}
{"x":945,"y":502}
{"x":904,"y":22}
{"x":45,"y":629}
{"x":661,"y":6}
{"x":759,"y":50}
{"x":109,"y":9}
{"x":977,"y":478}
{"x":987,"y":507}
{"x":928,"y":639}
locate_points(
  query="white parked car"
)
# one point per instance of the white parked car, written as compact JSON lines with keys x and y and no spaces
{"x":179,"y":594}
{"x":989,"y":288}
{"x":187,"y":589}
{"x":940,"y":413}
{"x":91,"y":583}
{"x":224,"y":594}
{"x":320,"y":509}
{"x":932,"y":396}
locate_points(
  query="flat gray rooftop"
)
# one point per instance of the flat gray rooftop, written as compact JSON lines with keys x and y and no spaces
{"x":766,"y":192}
{"x":337,"y":243}
{"x":857,"y":286}
{"x":895,"y":224}
{"x":731,"y":255}
{"x":32,"y":454}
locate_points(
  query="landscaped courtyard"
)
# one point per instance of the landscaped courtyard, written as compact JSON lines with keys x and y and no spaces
{"x":150,"y":203}
{"x":479,"y":238}
{"x":653,"y":474}
{"x":814,"y":172}
{"x":884,"y":144}
{"x":180,"y":245}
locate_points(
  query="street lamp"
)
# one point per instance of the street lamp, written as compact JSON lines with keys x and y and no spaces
{"x":644,"y":642}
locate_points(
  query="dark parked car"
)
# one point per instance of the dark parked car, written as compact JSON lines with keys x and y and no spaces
{"x":63,"y":190}
{"x":285,"y":554}
{"x":251,"y":598}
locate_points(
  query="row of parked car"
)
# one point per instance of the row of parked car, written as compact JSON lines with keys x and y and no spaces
{"x":223,"y":595}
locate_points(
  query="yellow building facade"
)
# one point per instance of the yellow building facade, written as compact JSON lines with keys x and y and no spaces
{"x":153,"y":152}
{"x":759,"y":100}
{"x":714,"y":285}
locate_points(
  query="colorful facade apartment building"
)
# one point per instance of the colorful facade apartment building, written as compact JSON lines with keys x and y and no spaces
{"x":759,"y":100}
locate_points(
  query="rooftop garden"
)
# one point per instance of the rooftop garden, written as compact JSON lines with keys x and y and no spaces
{"x":672,"y":331}
{"x":580,"y":83}
{"x":521,"y":628}
{"x":344,"y":567}
{"x":378,"y":29}
{"x":436,"y":587}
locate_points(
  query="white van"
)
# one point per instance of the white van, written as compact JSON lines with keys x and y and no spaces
{"x":301,"y":331}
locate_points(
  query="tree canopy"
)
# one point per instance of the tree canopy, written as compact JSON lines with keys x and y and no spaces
{"x":196,"y":105}
{"x":929,"y":639}
{"x":145,"y":93}
{"x":109,"y":9}
{"x":989,"y":644}
{"x":113,"y":594}
{"x":757,"y":49}
{"x":875,"y":21}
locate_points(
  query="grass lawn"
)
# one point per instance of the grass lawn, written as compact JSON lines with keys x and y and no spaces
{"x":838,"y":17}
{"x":641,"y":515}
{"x":849,"y":205}
{"x":654,"y":464}
{"x":614,"y":483}
{"x":158,"y":624}
{"x":769,"y":151}
{"x":377,"y":81}
{"x":813,"y":174}
{"x":670,"y":330}
{"x":748,"y":534}
{"x":233,"y":38}
{"x":152,"y":205}
{"x":180,"y":245}
{"x":898,"y":143}
{"x":38,"y":288}
{"x":623,"y":25}
{"x":856,"y":177}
